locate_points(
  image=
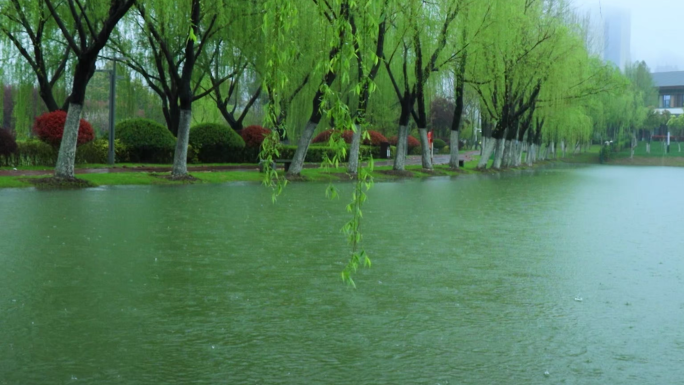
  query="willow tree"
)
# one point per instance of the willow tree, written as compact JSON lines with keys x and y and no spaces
{"x":475,"y":20}
{"x":512,"y":60}
{"x":31,"y":29}
{"x":369,"y":44}
{"x":337,"y":13}
{"x":86,"y":27}
{"x":165,"y":55}
{"x":420,"y":39}
{"x":233,"y":62}
{"x":279,"y":22}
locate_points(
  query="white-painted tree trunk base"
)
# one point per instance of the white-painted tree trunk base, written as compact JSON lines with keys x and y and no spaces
{"x":353,"y":165}
{"x":530,"y":154}
{"x":66,"y":158}
{"x":562,"y":144}
{"x":507,"y":160}
{"x":400,"y":159}
{"x":487,"y":149}
{"x":302,"y":148}
{"x":426,"y":157}
{"x":519,"y":147}
{"x":453,"y":150}
{"x":498,"y":156}
{"x":180,"y":156}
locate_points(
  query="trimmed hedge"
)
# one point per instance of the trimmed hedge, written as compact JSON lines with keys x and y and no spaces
{"x":33,"y":152}
{"x":376,"y":138}
{"x":216,"y":143}
{"x":316,"y":152}
{"x":146,"y":140}
{"x":97,"y":151}
{"x":49,"y":128}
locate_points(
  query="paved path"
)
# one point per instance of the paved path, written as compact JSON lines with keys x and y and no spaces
{"x":410,"y":160}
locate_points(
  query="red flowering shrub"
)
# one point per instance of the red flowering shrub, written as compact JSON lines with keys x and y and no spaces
{"x":375,"y":137}
{"x":323,"y":137}
{"x":254,"y":135}
{"x":49,"y":128}
{"x":412,"y":142}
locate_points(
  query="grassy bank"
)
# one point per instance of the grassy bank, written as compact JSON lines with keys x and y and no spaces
{"x":658,"y":156}
{"x":131,"y":174}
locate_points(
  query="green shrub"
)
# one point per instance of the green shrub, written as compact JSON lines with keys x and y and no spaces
{"x":446,"y":150}
{"x":33,"y":152}
{"x":193,"y":154}
{"x":97,"y":151}
{"x":250,"y":155}
{"x":438,"y":144}
{"x":316,"y":153}
{"x":146,"y":140}
{"x":416,"y":150}
{"x":217,"y":143}
{"x":375,"y":151}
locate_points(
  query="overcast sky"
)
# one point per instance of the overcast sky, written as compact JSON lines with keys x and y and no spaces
{"x":657,"y":29}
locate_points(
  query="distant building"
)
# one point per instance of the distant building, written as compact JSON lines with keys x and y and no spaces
{"x":617,"y":32}
{"x":671,"y":91}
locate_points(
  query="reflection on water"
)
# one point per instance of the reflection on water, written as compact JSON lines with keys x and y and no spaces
{"x":474,"y":281}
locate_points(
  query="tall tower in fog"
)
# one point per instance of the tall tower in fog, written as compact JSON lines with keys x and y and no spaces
{"x":617,"y":27}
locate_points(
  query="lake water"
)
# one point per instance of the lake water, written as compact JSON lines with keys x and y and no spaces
{"x":564,"y":275}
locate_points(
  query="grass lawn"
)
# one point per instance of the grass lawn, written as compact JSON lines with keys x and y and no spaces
{"x":657,"y":157}
{"x":252,"y":175}
{"x":124,"y":165}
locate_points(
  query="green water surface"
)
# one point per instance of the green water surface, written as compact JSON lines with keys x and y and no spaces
{"x":560,"y":276}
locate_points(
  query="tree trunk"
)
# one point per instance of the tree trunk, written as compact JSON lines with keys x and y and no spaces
{"x":488,"y":145}
{"x":67,"y":149}
{"x":453,"y":149}
{"x":353,"y":165}
{"x":551,"y":151}
{"x":498,"y":156}
{"x":426,"y":158}
{"x":302,"y":147}
{"x":506,"y":158}
{"x":520,"y":148}
{"x":400,"y":159}
{"x":172,"y":116}
{"x":530,"y":154}
{"x":180,"y":156}
{"x":562,"y":144}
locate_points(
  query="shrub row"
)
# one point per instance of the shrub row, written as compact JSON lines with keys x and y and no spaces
{"x":317,"y":153}
{"x":146,"y":141}
{"x":375,"y":137}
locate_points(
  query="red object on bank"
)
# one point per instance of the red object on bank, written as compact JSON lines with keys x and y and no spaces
{"x":430,"y":137}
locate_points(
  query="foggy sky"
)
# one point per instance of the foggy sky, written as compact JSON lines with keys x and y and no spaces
{"x":657,"y":29}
